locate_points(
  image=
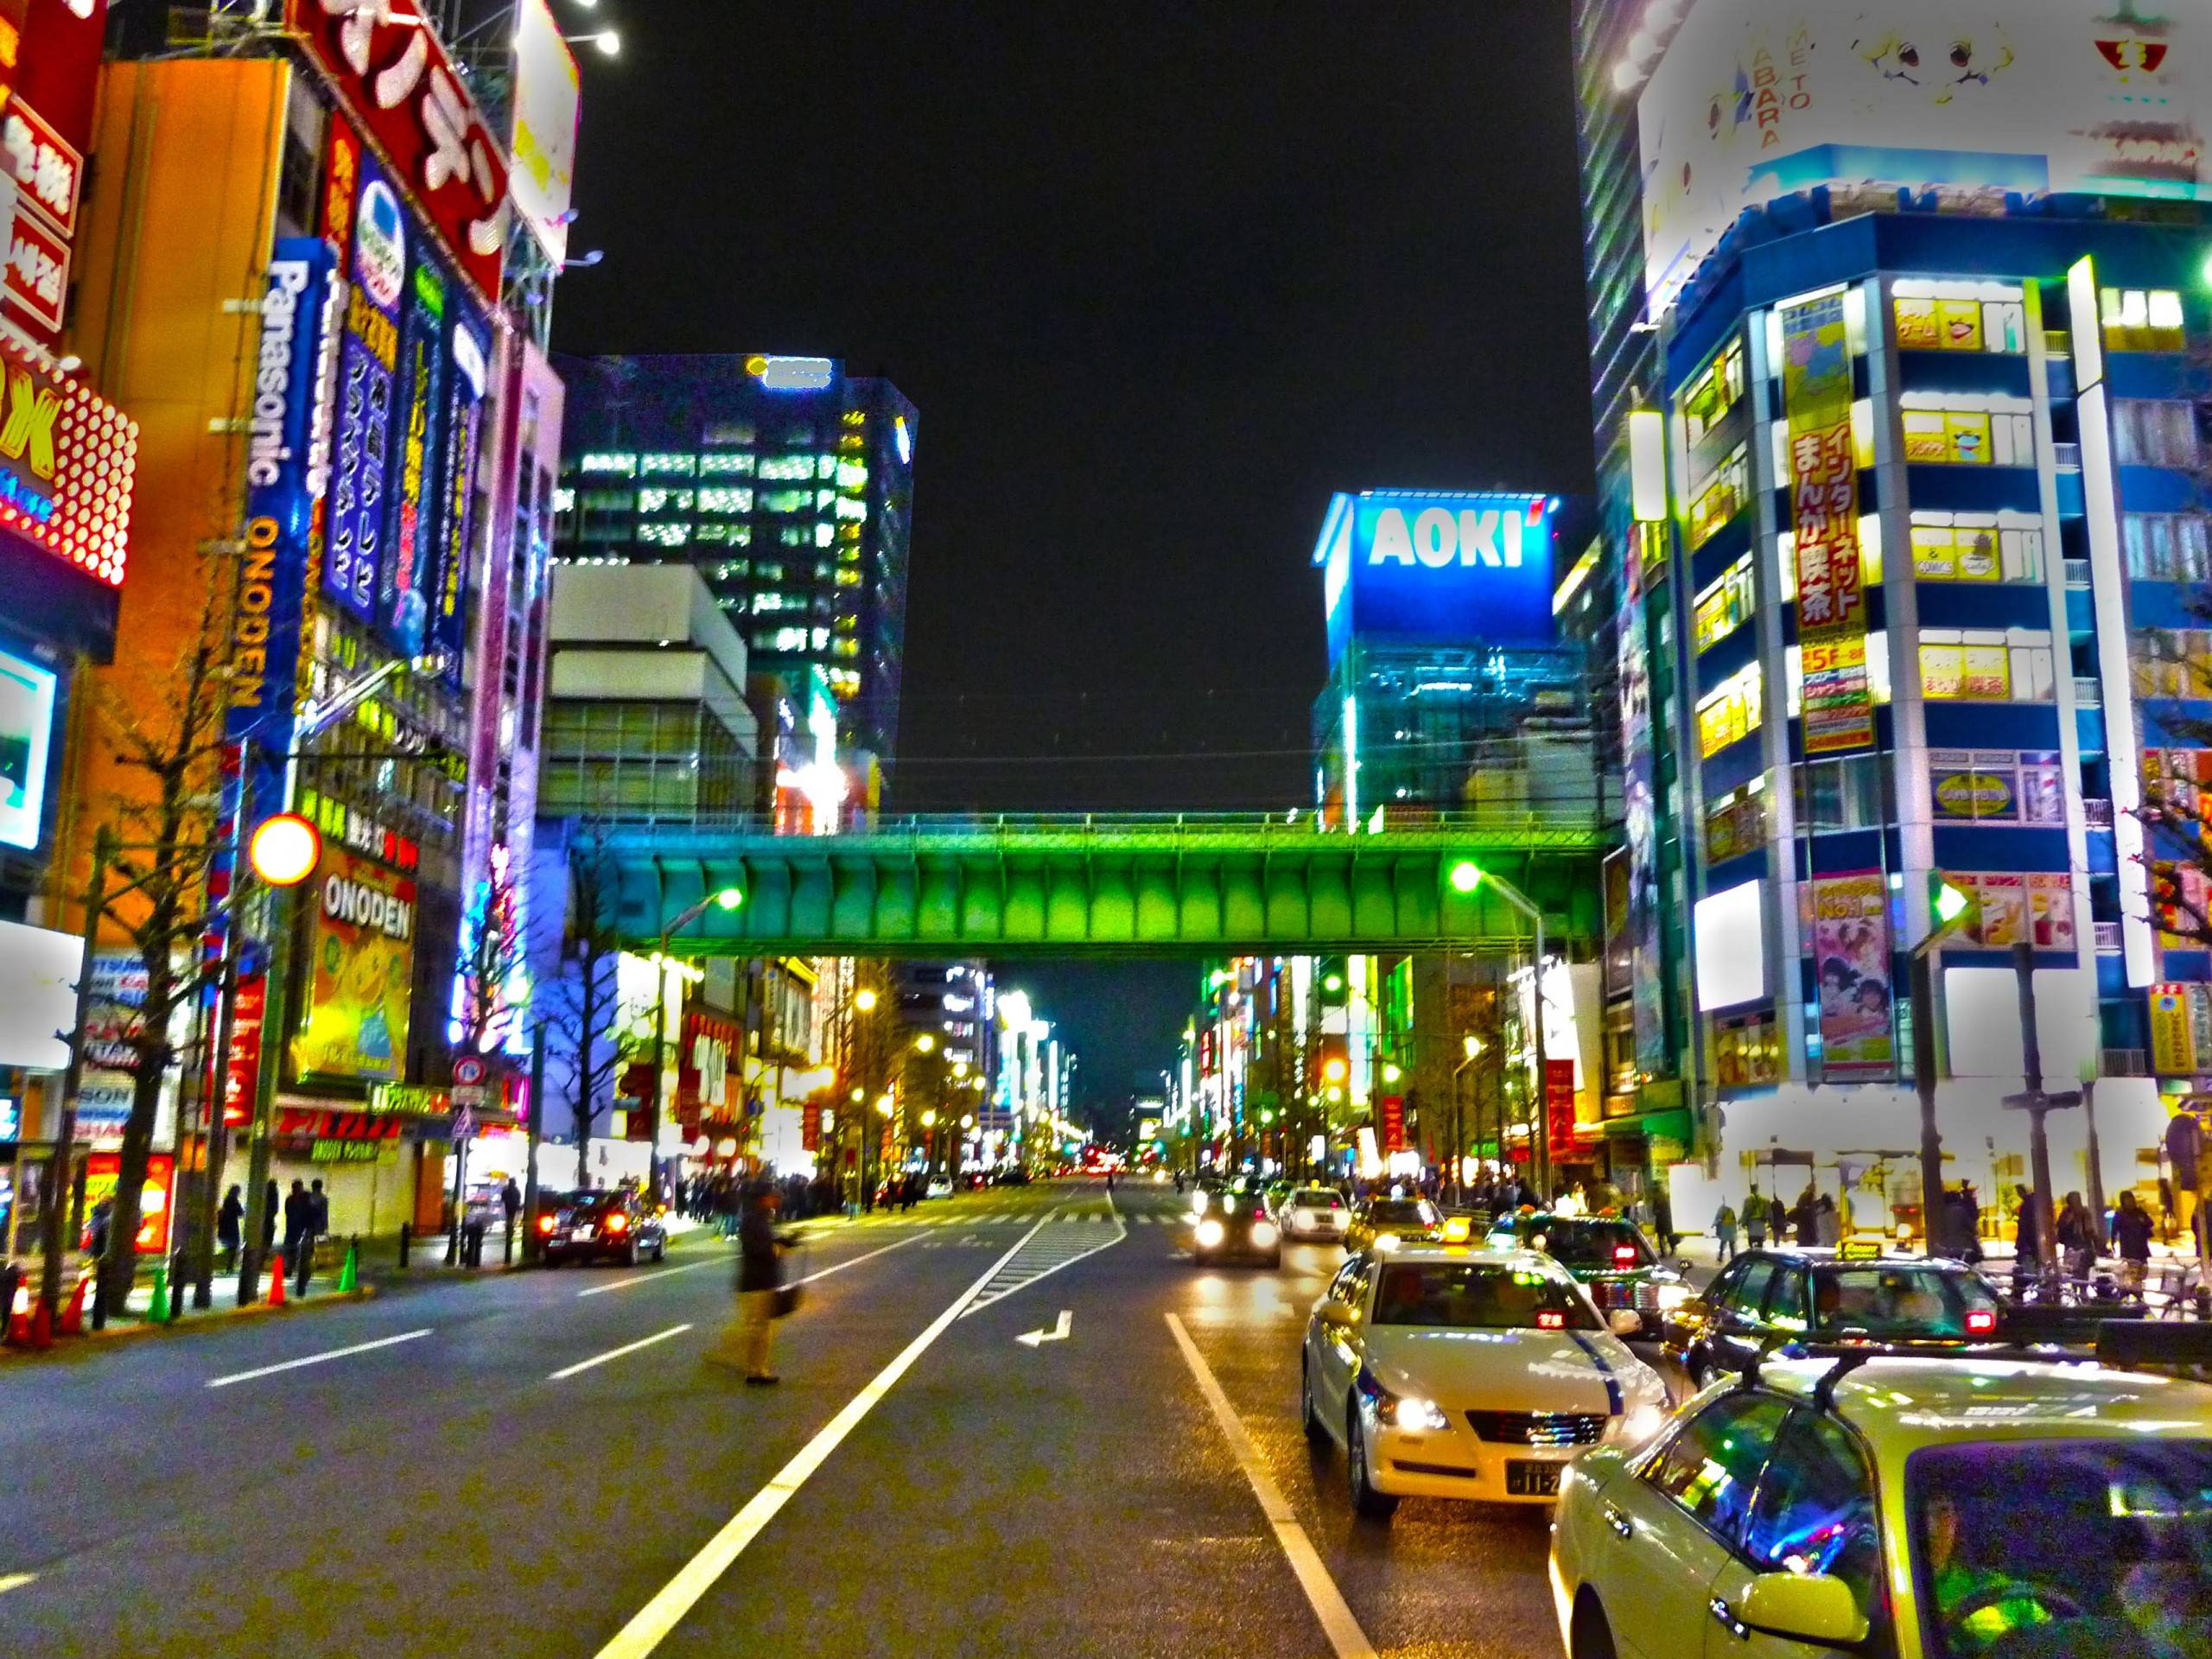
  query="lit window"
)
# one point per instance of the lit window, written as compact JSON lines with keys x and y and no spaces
{"x":786,"y":500}
{"x":851,"y":475}
{"x":823,"y":534}
{"x":1715,"y":389}
{"x":726,"y":466}
{"x":849,"y":508}
{"x":786,"y":469}
{"x":1737,"y":822}
{"x":2142,"y":320}
{"x":1985,"y":665}
{"x":724,"y":498}
{"x":1719,"y":496}
{"x":625,"y":466}
{"x":1730,"y":713}
{"x":1975,"y":547}
{"x":666,"y":466}
{"x":1725,"y":606}
{"x":825,"y":465}
{"x":653,"y":500}
{"x":564,"y":500}
{"x":1927,"y":323}
{"x":664,"y":533}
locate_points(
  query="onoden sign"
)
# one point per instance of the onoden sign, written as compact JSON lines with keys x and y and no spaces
{"x":361,"y":972}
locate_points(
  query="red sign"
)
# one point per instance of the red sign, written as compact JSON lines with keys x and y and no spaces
{"x":68,"y":459}
{"x":104,"y":1170}
{"x":1559,"y":1107}
{"x":49,"y":62}
{"x":38,"y":271}
{"x":1394,"y":1122}
{"x":385,"y":60}
{"x":48,"y":172}
{"x":313,"y":1123}
{"x":242,"y":1077}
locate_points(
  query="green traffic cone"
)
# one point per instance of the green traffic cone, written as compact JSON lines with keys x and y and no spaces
{"x":158,"y":1312}
{"x":349,"y":1274}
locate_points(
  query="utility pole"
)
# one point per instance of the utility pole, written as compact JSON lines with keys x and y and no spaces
{"x":2037,"y":1105}
{"x":284,"y":903}
{"x":59,"y":1175}
{"x":536,"y":1129}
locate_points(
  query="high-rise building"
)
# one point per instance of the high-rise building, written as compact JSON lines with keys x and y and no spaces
{"x":1906,"y":524}
{"x":787,"y":483}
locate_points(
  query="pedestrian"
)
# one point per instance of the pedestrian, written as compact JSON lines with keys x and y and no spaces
{"x":747,"y":1339}
{"x":272,"y":1202}
{"x":2131,"y":1230}
{"x":299,"y":1233}
{"x":1755,"y":1219}
{"x":1804,"y":1216}
{"x":1827,"y":1224}
{"x":319,"y":1215}
{"x":96,"y":1230}
{"x":229,"y":1226}
{"x":1966,"y":1223}
{"x":2077,"y":1236}
{"x":2026,"y":1256}
{"x":511,"y":1205}
{"x":1724,"y":1233}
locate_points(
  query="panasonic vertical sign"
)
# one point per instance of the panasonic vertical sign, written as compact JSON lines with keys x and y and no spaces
{"x":1415,"y":566}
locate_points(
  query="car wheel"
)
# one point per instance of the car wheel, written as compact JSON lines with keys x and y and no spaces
{"x":1590,"y":1636}
{"x":630,"y":1253}
{"x":1316,"y":1432}
{"x":660,"y":1251}
{"x":1366,"y":1503}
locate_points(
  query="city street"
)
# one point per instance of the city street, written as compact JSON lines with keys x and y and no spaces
{"x":540,"y":1462}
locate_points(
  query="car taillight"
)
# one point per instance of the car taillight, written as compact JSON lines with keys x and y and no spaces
{"x":1980,"y":1321}
{"x":545,"y":1224}
{"x":1548,"y":1320}
{"x":618,"y":1223}
{"x":1624,"y":1255}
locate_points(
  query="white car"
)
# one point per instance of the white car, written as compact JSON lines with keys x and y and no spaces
{"x":940,"y":1186}
{"x":1314,"y":1212}
{"x":1448,"y":1372}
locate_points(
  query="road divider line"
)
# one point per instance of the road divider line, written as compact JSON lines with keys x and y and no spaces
{"x":617,"y":1353}
{"x":1345,"y":1638}
{"x":316,"y":1359}
{"x":650,"y":1626}
{"x":14,"y":1581}
{"x":839,"y":1267}
{"x":636,"y":1279}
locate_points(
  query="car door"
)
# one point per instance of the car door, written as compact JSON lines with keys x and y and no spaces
{"x":1671,"y":1519}
{"x":1815,"y":1512}
{"x":1738,"y":1331}
{"x":1333,"y":1355}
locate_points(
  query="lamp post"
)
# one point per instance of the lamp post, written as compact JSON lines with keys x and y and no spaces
{"x":727,"y":898}
{"x":1472,"y":1048}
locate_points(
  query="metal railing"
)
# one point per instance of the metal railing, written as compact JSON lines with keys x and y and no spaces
{"x":2077,"y":573}
{"x":2067,"y":457}
{"x":2122,"y":1062}
{"x":1286,"y":827}
{"x":2096,"y":811}
{"x":2089,"y":692}
{"x":2105,"y":935}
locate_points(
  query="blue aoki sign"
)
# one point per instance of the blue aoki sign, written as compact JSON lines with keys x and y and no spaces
{"x":1436,"y":568}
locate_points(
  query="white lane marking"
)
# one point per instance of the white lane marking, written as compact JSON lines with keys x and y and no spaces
{"x":632,"y":1280}
{"x":14,"y":1581}
{"x":839,"y":1267}
{"x":316,"y":1359}
{"x":1060,"y":1332}
{"x":1337,"y":1624}
{"x":654,"y":1622}
{"x":616,"y":1353}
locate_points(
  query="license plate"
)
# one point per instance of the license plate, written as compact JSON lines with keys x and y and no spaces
{"x":581,"y":1232}
{"x":1532,"y":1479}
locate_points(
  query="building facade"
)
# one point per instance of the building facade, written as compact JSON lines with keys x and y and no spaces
{"x":786,"y":483}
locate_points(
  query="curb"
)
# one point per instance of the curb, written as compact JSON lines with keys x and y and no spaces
{"x":68,"y":1348}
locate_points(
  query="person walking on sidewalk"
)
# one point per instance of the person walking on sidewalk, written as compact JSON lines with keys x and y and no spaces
{"x":746,"y":1340}
{"x":2130,"y":1236}
{"x":1755,"y":1219}
{"x":230,"y":1222}
{"x":272,"y":1202}
{"x":1724,"y":1233}
{"x":2077,"y":1238}
{"x":511,"y":1206}
{"x":299,"y":1235}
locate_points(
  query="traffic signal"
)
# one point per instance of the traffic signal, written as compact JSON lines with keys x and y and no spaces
{"x":1330,"y":974}
{"x":1953,"y":907}
{"x":1465,"y":876}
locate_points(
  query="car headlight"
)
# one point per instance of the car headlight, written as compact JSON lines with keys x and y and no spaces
{"x":1637,"y":1424}
{"x":1198,"y":1204}
{"x":1210,"y":1233}
{"x":1264,"y":1234}
{"x":1385,"y":1241}
{"x":1411,"y":1411}
{"x":1673,"y":1296}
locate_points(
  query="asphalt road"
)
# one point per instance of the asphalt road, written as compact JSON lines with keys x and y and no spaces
{"x":540,"y":1464}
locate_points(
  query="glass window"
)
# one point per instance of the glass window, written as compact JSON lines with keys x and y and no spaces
{"x":1815,"y":1510}
{"x":724,"y":498}
{"x":726,"y":466}
{"x":1719,"y":496}
{"x":1749,"y":1293}
{"x":1788,"y":1301}
{"x":1735,"y":824}
{"x":1725,"y":606}
{"x":1889,"y":1301}
{"x":2142,"y":320}
{"x":622,"y":466}
{"x":786,"y":468}
{"x":787,"y":501}
{"x":1716,"y":390}
{"x":2107,"y":1543}
{"x":1711,"y":1467}
{"x":1464,"y":1296}
{"x":1972,"y":667}
{"x":2160,"y":433}
{"x":1731,"y":713}
{"x":1849,"y":793}
{"x":667,"y":466}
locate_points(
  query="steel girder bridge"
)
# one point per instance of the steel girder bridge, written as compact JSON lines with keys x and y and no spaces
{"x":1103,"y":885}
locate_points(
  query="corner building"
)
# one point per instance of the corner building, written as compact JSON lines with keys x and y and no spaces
{"x":1905,"y":531}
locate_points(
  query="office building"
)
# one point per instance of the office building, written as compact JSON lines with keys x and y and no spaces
{"x":787,"y":484}
{"x":1910,"y":520}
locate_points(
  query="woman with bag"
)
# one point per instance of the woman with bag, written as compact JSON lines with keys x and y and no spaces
{"x":762,"y":1296}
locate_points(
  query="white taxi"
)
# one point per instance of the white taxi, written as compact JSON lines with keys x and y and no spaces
{"x":1309,"y":1212}
{"x":1899,"y":1507}
{"x":1454,"y":1373}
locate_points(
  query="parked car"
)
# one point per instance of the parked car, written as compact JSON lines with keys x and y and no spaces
{"x":601,"y":1226}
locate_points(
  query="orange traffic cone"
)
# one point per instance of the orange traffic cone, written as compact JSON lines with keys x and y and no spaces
{"x":19,"y":1315}
{"x":276,"y":1281}
{"x":42,"y":1325}
{"x":72,"y":1317}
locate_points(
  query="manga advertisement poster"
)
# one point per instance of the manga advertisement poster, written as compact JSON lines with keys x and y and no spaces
{"x":360,"y":973}
{"x":1850,"y":956}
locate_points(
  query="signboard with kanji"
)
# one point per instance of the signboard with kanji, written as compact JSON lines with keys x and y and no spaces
{"x":1838,"y":706}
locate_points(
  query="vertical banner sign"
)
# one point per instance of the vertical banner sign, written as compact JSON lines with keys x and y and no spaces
{"x":358,"y":485}
{"x":411,"y":526}
{"x":360,"y":973}
{"x":1641,"y":825}
{"x":447,"y":582}
{"x":1394,"y":1122}
{"x":288,"y":472}
{"x":1559,"y":1109}
{"x":1851,"y":957}
{"x":1839,"y":710}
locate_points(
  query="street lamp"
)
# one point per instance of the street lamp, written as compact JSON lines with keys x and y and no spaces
{"x":607,"y":40}
{"x":723,"y":899}
{"x":924,"y":1043}
{"x":1465,"y":876}
{"x":864,"y":1000}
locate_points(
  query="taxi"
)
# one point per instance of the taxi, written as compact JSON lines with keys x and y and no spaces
{"x":1611,"y":1257}
{"x":1899,"y":1507}
{"x":1859,"y":1293}
{"x":1386,"y":1221}
{"x":1468,"y":1374}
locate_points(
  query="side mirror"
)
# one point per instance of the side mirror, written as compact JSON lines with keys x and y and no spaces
{"x":1625,"y":1321}
{"x":1337,"y":1316}
{"x":1813,"y":1607}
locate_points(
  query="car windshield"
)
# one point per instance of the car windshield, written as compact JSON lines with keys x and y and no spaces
{"x":1589,"y":1244}
{"x":1468,"y":1295}
{"x":1315,"y":1197}
{"x":2065,"y":1547}
{"x":1899,"y":1301}
{"x":1402,"y":1212}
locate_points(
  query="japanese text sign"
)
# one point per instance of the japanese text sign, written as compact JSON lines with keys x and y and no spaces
{"x":1837,"y":704}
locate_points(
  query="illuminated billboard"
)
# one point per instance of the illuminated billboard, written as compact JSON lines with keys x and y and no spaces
{"x":1755,"y":99}
{"x":1437,"y":568}
{"x":360,"y":973}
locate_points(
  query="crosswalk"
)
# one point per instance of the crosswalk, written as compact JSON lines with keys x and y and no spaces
{"x":1011,"y":1218}
{"x":1057,"y":1241}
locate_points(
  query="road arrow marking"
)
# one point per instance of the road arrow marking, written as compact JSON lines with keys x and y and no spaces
{"x":1057,"y":1333}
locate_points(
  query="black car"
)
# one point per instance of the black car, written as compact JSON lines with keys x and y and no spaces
{"x":1611,"y":1259}
{"x":1765,"y":1300}
{"x":1235,"y":1226}
{"x":618,"y":1226}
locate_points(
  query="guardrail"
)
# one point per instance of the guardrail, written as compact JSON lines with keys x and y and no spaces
{"x":1287,"y":827}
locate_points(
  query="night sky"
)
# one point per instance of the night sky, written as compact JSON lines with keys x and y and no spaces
{"x":1158,"y":278}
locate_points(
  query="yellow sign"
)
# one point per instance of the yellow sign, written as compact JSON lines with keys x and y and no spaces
{"x":361,"y":974}
{"x":2173,"y":1034}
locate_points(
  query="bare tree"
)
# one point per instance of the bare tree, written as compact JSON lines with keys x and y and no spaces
{"x":581,"y":1009}
{"x":491,"y":954}
{"x":166,"y":834}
